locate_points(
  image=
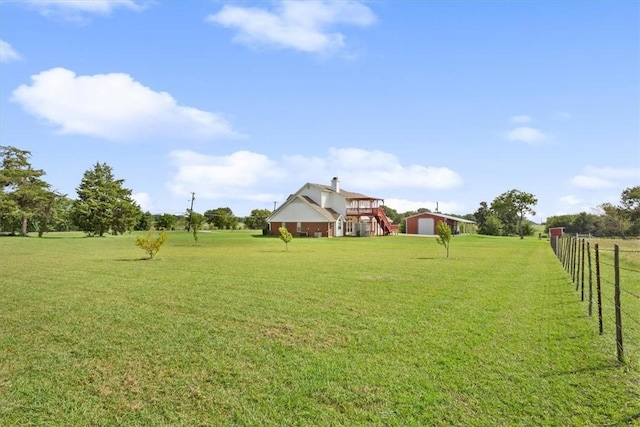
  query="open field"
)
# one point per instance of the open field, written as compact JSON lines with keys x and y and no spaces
{"x":350,"y":331}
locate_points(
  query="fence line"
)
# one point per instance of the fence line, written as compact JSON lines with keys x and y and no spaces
{"x":616,"y":297}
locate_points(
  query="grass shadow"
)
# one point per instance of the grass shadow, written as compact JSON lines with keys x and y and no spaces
{"x":588,"y":369}
{"x":632,"y":419}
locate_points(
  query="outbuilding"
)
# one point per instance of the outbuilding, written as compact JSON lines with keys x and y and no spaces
{"x":555,"y":233}
{"x":426,"y":223}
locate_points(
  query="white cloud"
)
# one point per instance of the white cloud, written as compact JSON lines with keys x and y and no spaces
{"x":521,"y":119}
{"x":253,"y":176}
{"x":8,"y":53}
{"x":570,"y":200}
{"x":114,"y":107}
{"x":372,"y":170}
{"x":238,"y":175}
{"x":144,"y":200}
{"x":75,"y":9}
{"x":527,"y":134}
{"x":298,"y":25}
{"x":594,"y":178}
{"x":591,"y":182}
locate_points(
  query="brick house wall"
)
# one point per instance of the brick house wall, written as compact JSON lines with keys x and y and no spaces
{"x":310,"y":228}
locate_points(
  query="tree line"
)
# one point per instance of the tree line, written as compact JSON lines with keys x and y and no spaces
{"x":103,"y":204}
{"x":622,"y":220}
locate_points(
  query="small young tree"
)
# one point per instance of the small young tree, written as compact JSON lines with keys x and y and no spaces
{"x":285,"y":236}
{"x":444,"y":235}
{"x":151,"y":242}
{"x":196,"y":221}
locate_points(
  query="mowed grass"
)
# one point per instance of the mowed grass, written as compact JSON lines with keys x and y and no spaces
{"x":349,"y":331}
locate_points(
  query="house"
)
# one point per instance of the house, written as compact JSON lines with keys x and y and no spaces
{"x":317,"y":210}
{"x":426,"y":223}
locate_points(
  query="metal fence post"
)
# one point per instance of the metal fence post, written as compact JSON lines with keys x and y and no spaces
{"x":576,"y":265}
{"x":590,"y":279}
{"x":599,"y":289}
{"x":582,"y":270}
{"x":616,"y":267}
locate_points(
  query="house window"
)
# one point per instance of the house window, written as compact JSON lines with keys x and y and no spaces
{"x":299,"y":227}
{"x":339,"y":225}
{"x":283,"y":224}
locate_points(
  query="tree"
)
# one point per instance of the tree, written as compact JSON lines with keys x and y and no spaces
{"x":511,"y":207}
{"x":258,"y":219}
{"x":480,"y":216}
{"x":145,"y":222}
{"x":103,"y":204}
{"x":393,"y":215}
{"x":583,"y":223}
{"x":221,"y":218}
{"x":151,"y":242}
{"x":285,"y":236}
{"x":630,"y":201}
{"x":492,"y":226}
{"x":49,"y":212}
{"x":54,"y":214}
{"x":614,"y":221}
{"x":444,"y":235}
{"x":166,"y":221}
{"x":523,"y":203}
{"x":24,"y":196}
{"x":197,"y":220}
{"x":503,"y":208}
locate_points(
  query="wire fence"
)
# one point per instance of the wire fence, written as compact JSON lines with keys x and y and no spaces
{"x":607,"y":278}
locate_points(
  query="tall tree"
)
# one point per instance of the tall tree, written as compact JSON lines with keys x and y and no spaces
{"x":524,"y":203}
{"x":480,"y":216}
{"x":23,"y":194}
{"x":103,"y":204}
{"x":511,"y":208}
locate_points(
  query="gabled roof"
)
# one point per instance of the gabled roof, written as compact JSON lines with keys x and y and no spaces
{"x":347,"y":194}
{"x":453,"y":218}
{"x":327,"y":213}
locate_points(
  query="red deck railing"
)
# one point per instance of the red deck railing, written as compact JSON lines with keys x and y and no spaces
{"x":378,"y":214}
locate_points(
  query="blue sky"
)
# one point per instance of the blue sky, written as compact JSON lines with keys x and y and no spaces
{"x":415,"y":102}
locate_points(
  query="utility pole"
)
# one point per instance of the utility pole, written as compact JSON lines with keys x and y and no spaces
{"x":193,"y":197}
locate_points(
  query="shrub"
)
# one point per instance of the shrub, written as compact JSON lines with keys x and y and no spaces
{"x":285,"y":236}
{"x":151,"y":242}
{"x":444,"y":235}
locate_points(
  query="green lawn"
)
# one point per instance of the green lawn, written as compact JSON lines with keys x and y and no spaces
{"x":349,"y":331}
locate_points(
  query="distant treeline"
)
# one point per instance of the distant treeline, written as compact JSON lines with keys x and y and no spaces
{"x":621,"y":220}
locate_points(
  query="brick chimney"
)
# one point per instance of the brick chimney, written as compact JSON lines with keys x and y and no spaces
{"x":335,"y":184}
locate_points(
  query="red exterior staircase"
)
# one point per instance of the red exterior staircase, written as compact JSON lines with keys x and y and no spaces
{"x":384,"y":222}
